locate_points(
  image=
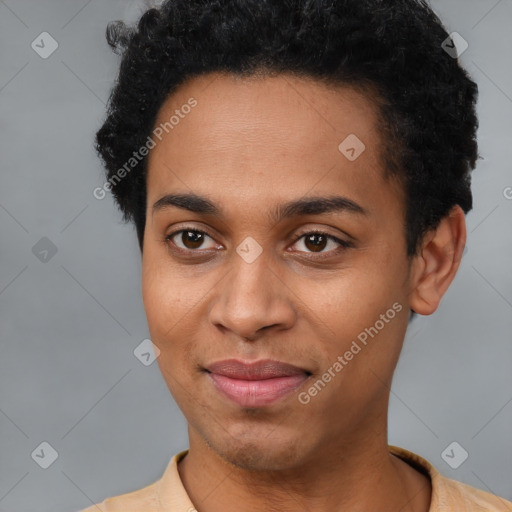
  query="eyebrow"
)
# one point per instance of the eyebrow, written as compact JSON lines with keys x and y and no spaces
{"x":304,"y":206}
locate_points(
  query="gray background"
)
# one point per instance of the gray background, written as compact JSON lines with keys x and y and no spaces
{"x":71,"y":323}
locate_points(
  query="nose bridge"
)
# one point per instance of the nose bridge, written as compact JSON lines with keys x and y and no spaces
{"x":250,"y":283}
{"x":252,"y":296}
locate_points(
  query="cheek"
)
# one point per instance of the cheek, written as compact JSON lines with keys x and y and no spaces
{"x":172,"y":306}
{"x":165,"y":313}
{"x":162,"y":287}
{"x":161,"y":301}
{"x":365,"y":315}
{"x":155,"y":301}
{"x":352,"y":298}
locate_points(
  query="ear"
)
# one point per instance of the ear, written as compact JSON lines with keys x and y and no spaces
{"x":437,"y":262}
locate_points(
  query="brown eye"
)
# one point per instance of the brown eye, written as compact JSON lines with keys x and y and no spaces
{"x":189,"y":239}
{"x":192,"y":239}
{"x":315,"y":242}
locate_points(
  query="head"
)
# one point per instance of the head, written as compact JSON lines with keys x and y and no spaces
{"x":298,"y":175}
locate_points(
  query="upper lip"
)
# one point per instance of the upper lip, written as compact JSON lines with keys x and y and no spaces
{"x":257,"y":370}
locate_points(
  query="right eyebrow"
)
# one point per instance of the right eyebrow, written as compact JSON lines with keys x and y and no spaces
{"x":190,"y":202}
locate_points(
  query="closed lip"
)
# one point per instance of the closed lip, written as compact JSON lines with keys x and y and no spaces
{"x":262,"y":369}
{"x":256,"y":384}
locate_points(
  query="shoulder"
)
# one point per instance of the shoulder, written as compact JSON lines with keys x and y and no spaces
{"x":143,"y":499}
{"x":165,"y":495}
{"x":448,"y":494}
{"x":469,"y":498}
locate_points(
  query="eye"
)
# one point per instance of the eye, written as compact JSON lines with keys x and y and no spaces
{"x":317,"y":241}
{"x":189,"y":239}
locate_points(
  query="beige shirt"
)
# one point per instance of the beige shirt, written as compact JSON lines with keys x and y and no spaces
{"x":169,"y":495}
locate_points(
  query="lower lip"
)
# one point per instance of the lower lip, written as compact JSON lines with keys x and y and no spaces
{"x":256,"y":393}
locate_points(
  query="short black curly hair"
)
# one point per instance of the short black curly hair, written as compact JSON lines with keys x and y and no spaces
{"x":426,"y":99}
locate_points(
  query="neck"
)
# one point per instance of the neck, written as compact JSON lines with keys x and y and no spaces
{"x":359,"y":475}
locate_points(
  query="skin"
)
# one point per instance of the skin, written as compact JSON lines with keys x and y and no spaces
{"x":249,"y":145}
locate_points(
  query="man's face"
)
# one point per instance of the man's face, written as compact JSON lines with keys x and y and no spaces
{"x":260,"y":284}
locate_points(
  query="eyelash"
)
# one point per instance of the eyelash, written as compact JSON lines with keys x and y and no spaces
{"x":343,"y":243}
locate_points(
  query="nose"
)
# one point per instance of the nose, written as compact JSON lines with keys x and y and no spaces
{"x":252,"y":299}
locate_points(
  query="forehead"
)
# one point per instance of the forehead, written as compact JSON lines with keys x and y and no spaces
{"x":272,"y":133}
{"x":262,"y":109}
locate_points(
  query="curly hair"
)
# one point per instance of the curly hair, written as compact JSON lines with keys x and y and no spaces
{"x":426,"y":99}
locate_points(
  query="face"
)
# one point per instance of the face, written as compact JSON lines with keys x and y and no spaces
{"x":267,"y":242}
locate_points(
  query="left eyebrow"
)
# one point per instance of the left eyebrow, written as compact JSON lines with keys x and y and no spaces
{"x":316,"y":206}
{"x":299,"y":207}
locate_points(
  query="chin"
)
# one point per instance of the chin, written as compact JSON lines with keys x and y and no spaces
{"x":258,"y":457}
{"x":266,"y":452}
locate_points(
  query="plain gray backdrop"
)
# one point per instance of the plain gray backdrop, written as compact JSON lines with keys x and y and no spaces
{"x":70,"y":293}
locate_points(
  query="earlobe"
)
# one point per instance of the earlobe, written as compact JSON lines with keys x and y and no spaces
{"x":437,"y":262}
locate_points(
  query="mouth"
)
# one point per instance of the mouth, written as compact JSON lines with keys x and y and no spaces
{"x":258,"y":383}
